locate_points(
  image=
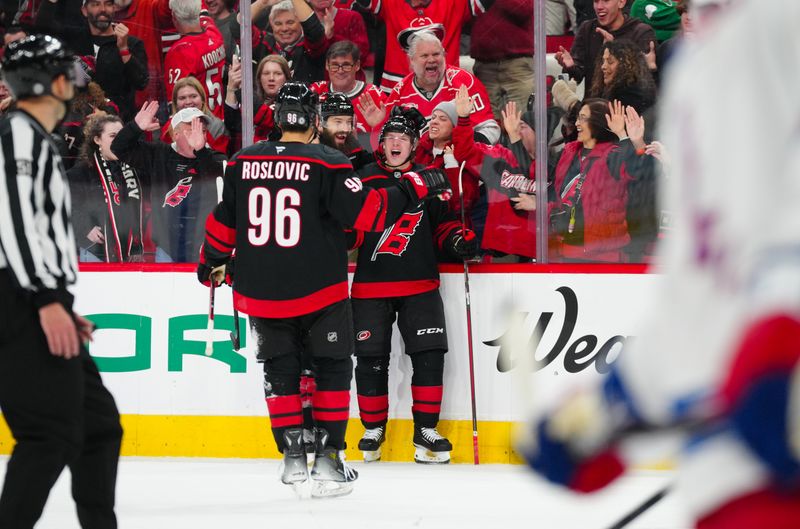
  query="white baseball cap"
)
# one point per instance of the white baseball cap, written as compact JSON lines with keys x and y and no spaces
{"x":186,"y":115}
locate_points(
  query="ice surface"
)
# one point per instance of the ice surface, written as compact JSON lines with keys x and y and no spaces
{"x":244,"y":494}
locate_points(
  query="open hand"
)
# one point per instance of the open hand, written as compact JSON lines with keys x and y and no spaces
{"x":564,"y":58}
{"x":146,"y":117}
{"x":373,"y":114}
{"x":616,"y":118}
{"x":463,"y":102}
{"x":511,"y":121}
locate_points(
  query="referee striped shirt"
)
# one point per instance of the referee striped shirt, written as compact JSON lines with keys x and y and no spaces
{"x":37,"y":245}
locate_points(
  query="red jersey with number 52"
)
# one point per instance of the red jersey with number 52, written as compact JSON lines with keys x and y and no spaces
{"x":201,"y":55}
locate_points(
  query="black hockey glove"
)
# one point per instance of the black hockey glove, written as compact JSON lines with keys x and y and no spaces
{"x":464,"y":244}
{"x":426,"y":184}
{"x":205,"y":271}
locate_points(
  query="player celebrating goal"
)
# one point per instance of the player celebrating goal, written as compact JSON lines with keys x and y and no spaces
{"x":284,"y":206}
{"x":397,"y":277}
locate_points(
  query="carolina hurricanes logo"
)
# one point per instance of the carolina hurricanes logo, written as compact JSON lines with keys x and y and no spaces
{"x":114,"y":192}
{"x":395,"y":239}
{"x":363,"y":335}
{"x":421,"y":22}
{"x":176,"y":195}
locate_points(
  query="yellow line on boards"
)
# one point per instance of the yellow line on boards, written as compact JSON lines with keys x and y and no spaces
{"x":250,"y":437}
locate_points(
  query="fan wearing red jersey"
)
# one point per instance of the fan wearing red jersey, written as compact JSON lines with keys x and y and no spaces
{"x":401,"y":16}
{"x":343,"y":62}
{"x":284,"y":206}
{"x":433,"y":82}
{"x":200,"y":52}
{"x":397,"y":278}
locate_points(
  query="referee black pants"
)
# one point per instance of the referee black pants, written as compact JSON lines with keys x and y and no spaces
{"x":60,"y":414}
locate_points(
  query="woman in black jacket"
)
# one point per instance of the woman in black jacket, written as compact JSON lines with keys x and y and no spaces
{"x":623,"y":76}
{"x":106,"y":197}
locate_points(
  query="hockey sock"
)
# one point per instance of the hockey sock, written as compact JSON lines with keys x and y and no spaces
{"x":426,"y":387}
{"x":308,"y":385}
{"x":372,"y":384}
{"x":332,"y":398}
{"x":282,"y":393}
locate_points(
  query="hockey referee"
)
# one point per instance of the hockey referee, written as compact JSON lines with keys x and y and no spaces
{"x":51,"y":394}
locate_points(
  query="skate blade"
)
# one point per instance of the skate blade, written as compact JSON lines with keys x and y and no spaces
{"x":330,"y":489}
{"x":424,"y":456}
{"x":302,"y":489}
{"x":370,"y":456}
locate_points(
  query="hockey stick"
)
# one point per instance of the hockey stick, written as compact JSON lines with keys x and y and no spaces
{"x":641,"y":508}
{"x":210,"y":338}
{"x":235,"y":334}
{"x":476,"y":458}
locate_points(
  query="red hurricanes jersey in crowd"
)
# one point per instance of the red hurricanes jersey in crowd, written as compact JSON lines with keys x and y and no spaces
{"x":406,"y":94}
{"x":284,"y":210}
{"x":402,"y":260}
{"x":399,"y":15}
{"x":323,"y":87}
{"x":201,"y":55}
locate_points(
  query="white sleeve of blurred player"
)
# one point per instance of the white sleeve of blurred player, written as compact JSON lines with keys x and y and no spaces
{"x":731,"y":121}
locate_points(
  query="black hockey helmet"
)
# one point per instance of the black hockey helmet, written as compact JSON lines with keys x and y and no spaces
{"x":336,"y":104}
{"x":296,"y":106}
{"x":31,"y":64}
{"x":409,"y":121}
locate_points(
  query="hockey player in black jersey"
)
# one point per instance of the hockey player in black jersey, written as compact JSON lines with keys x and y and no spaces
{"x":284,"y":207}
{"x":397,"y":277}
{"x":338,"y":129}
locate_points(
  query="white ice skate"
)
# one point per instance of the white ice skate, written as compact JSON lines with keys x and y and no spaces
{"x":432,"y":447}
{"x":330,"y":475}
{"x":371,"y":443}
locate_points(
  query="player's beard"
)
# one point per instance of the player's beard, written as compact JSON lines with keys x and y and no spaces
{"x":350,"y":143}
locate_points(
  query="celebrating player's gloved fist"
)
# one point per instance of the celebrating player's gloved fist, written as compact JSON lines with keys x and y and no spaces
{"x":205,"y":272}
{"x":427,"y":183}
{"x":464,"y":244}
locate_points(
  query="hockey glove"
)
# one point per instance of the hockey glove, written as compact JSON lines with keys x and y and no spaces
{"x":464,"y":244}
{"x":572,"y":447}
{"x":206,"y":272}
{"x":427,"y":183}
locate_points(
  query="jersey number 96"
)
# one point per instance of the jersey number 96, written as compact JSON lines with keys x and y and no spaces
{"x":281,"y":217}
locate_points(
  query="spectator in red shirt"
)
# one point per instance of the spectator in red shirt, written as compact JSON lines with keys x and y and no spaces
{"x":502,"y":45}
{"x":271,"y":74}
{"x":200,"y":52}
{"x":343,"y":63}
{"x":189,"y":93}
{"x":342,"y":24}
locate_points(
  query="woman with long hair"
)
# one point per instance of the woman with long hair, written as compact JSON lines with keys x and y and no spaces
{"x":107,"y":197}
{"x":623,"y":76}
{"x":590,"y":199}
{"x":188,"y":92}
{"x":271,"y":74}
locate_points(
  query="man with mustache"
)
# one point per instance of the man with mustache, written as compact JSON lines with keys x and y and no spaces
{"x":119,"y":59}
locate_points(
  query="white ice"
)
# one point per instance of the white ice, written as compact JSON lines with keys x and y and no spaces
{"x":243,"y":494}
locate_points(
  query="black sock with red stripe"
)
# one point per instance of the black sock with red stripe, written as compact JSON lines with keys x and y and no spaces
{"x":426,"y":387}
{"x":372,"y":385}
{"x":282,"y":392}
{"x":331,"y":399}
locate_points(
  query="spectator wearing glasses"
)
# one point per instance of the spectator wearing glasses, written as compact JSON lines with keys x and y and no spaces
{"x":343,"y":63}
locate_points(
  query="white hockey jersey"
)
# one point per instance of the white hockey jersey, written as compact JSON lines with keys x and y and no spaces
{"x":731,"y":123}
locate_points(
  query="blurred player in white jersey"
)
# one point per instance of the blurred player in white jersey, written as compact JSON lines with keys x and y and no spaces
{"x":719,"y":359}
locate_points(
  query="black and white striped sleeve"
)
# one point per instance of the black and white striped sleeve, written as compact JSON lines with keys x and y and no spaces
{"x":37,"y":244}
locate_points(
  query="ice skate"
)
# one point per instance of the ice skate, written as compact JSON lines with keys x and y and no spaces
{"x":330,"y":474}
{"x":432,"y":447}
{"x":295,"y":467}
{"x":370,"y":443}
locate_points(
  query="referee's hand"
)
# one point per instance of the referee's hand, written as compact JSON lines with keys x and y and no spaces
{"x":60,"y":330}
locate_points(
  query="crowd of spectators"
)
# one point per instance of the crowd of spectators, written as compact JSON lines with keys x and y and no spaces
{"x":149,"y":134}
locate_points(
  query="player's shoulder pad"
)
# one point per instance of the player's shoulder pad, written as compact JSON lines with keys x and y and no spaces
{"x":332,"y":156}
